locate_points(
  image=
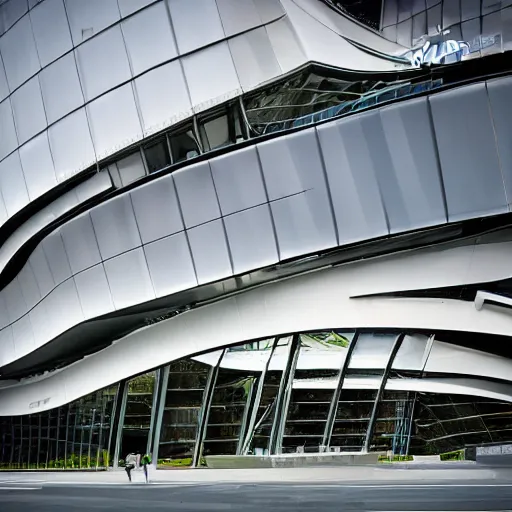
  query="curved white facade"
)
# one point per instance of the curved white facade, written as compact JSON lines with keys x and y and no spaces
{"x":79,"y":83}
{"x":383,"y":223}
{"x":347,"y":181}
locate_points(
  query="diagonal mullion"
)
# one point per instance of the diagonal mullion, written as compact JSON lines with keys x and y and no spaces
{"x":205,"y":410}
{"x":380,"y":391}
{"x":329,"y":424}
{"x":283,"y":398}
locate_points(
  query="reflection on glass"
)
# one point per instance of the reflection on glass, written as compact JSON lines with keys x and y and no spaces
{"x":443,"y":423}
{"x":260,"y":397}
{"x":307,"y":98}
{"x":393,"y":422}
{"x":75,"y":435}
{"x":230,"y":402}
{"x":352,"y":417}
{"x":137,"y":418}
{"x":184,"y":397}
{"x":157,"y":155}
{"x":184,"y":145}
{"x":321,"y":358}
{"x":215,"y":132}
{"x":265,"y":410}
{"x":372,"y":350}
{"x":222,"y":128}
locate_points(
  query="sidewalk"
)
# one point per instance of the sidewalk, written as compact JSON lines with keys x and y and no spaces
{"x":348,"y":474}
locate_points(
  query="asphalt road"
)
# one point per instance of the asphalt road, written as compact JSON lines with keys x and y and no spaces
{"x":372,"y":496}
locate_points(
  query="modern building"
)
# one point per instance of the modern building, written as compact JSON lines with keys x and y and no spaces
{"x":252,"y":227}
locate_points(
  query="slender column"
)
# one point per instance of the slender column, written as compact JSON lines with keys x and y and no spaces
{"x":283,"y":397}
{"x":331,"y":416}
{"x":20,"y":451}
{"x":205,"y":411}
{"x":259,"y":391}
{"x":81,"y":439}
{"x":48,"y":438}
{"x":91,"y":429}
{"x":410,"y":424}
{"x":67,"y":436}
{"x":38,"y":439}
{"x":373,"y":417}
{"x":154,"y":406}
{"x":164,"y":379}
{"x":100,"y":432}
{"x":13,"y":430}
{"x":57,"y":436}
{"x":114,"y":419}
{"x":245,"y":418}
{"x":29,"y":440}
{"x":78,"y":412}
{"x":122,"y":399}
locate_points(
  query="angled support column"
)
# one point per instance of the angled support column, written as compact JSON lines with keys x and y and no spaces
{"x":122,"y":396}
{"x":259,"y":391}
{"x":113,"y":424}
{"x":205,"y":411}
{"x":413,"y":406}
{"x":283,"y":397}
{"x":160,"y":406}
{"x":245,"y":418}
{"x":380,"y":392}
{"x":331,"y":417}
{"x":154,"y":410}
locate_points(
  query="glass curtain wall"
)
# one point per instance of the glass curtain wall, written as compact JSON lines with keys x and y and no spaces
{"x":318,"y":371}
{"x":393,"y":422}
{"x":443,"y":423}
{"x":364,"y":376}
{"x":264,"y":410}
{"x":186,"y":385}
{"x":76,"y":435}
{"x":138,"y":409}
{"x":234,"y":392}
{"x":306,"y":392}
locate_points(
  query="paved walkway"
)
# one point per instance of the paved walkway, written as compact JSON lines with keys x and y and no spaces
{"x":397,"y":475}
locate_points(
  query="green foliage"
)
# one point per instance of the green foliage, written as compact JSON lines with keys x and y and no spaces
{"x":395,"y":458}
{"x":105,"y":455}
{"x":175,"y":462}
{"x":455,"y":455}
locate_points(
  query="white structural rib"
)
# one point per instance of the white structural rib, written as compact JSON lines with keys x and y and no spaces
{"x":482,"y":297}
{"x":264,"y":312}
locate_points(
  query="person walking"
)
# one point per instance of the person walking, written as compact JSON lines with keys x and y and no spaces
{"x":146,"y":461}
{"x":131,"y":461}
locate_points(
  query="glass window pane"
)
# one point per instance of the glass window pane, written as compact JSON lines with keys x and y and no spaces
{"x":137,"y":417}
{"x":372,"y":350}
{"x":185,"y":388}
{"x":322,"y":356}
{"x":184,"y":146}
{"x":215,"y":133}
{"x":157,"y":156}
{"x":393,"y":422}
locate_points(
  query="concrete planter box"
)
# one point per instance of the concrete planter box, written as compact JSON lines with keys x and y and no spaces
{"x":426,"y":459}
{"x":290,"y":461}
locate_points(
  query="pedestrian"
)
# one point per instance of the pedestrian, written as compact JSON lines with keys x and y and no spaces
{"x":130,"y":462}
{"x":146,"y":461}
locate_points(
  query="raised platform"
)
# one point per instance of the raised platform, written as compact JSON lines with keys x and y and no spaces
{"x":290,"y":460}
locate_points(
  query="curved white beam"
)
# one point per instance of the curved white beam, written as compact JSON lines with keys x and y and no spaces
{"x":264,"y":312}
{"x":303,"y":193}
